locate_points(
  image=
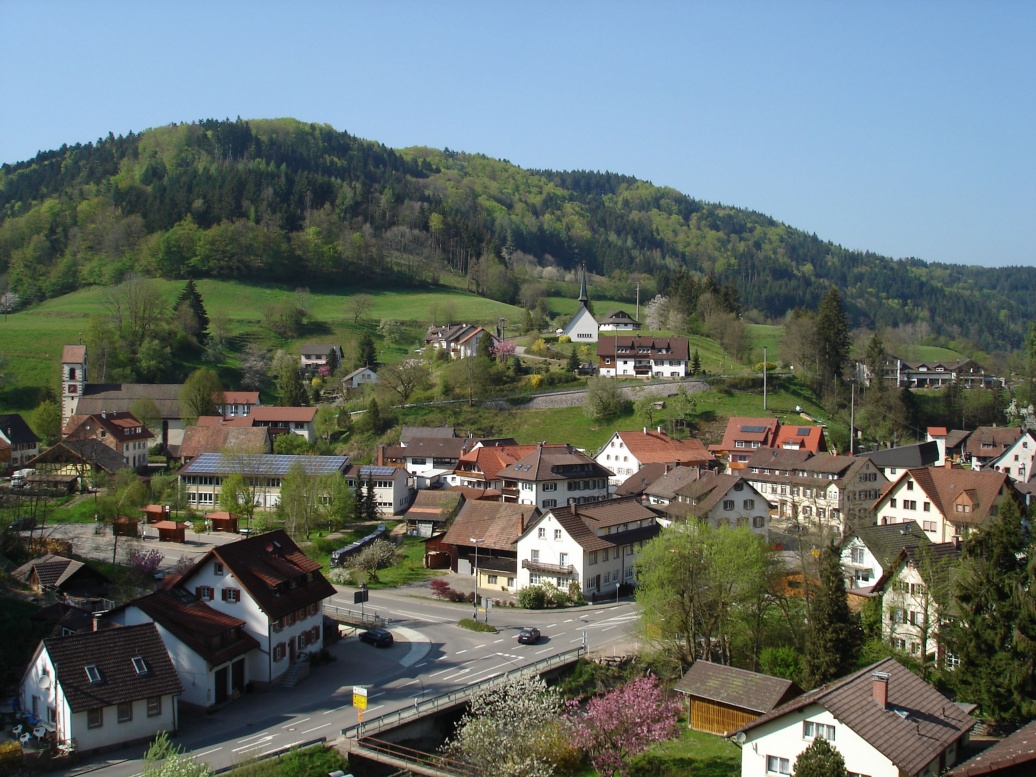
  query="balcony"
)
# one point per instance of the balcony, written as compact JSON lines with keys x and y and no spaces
{"x":554,"y":569}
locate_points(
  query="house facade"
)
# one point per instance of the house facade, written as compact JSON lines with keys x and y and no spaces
{"x":428,"y":459}
{"x":1017,"y":459}
{"x":593,"y":545}
{"x":236,"y":404}
{"x":484,"y":536}
{"x":317,"y":355}
{"x":868,"y":552}
{"x":102,"y":689}
{"x":626,"y":452}
{"x":202,"y":479}
{"x":357,"y":379}
{"x":720,"y":501}
{"x":393,"y":486}
{"x":460,"y":341}
{"x":20,"y":442}
{"x":121,"y":432}
{"x":553,"y":475}
{"x":618,"y":321}
{"x":642,"y":357}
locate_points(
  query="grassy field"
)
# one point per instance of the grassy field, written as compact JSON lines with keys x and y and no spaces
{"x":693,"y":753}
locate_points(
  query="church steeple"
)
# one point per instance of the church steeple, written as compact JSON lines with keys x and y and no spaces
{"x":583,"y":298}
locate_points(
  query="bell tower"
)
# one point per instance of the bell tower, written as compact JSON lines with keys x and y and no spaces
{"x":73,"y":379}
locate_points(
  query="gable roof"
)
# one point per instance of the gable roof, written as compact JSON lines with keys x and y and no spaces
{"x":434,"y":447}
{"x":944,"y":485}
{"x":317,"y":349}
{"x":1015,"y":750}
{"x":651,"y":347}
{"x":658,"y":447}
{"x":753,"y":430}
{"x":706,"y":492}
{"x":801,"y":437}
{"x":554,"y":462}
{"x":92,"y":452}
{"x":618,"y":317}
{"x":431,"y":505}
{"x":119,"y":397}
{"x":123,"y":426}
{"x":929,"y":724}
{"x":735,"y":687}
{"x":885,"y":542}
{"x":275,"y":414}
{"x":199,"y":439}
{"x":935,"y":562}
{"x":582,"y":522}
{"x":923,"y":454}
{"x":278,"y":576}
{"x":53,"y":571}
{"x":14,"y":428}
{"x":499,"y":523}
{"x":411,"y":432}
{"x":112,"y":651}
{"x":637,"y":483}
{"x":989,"y":441}
{"x":491,"y":459}
{"x":73,"y":354}
{"x":240,"y":398}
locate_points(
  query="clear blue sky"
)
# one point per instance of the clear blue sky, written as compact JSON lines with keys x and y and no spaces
{"x":905,"y":128}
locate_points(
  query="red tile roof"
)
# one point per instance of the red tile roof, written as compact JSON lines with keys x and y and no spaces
{"x":271,"y":413}
{"x":73,"y":354}
{"x":658,"y":447}
{"x":736,"y":431}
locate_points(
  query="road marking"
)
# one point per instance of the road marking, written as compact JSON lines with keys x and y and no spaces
{"x":552,"y":625}
{"x":569,"y":620}
{"x":404,"y":685}
{"x":281,"y":748}
{"x":336,"y":709}
{"x":609,"y":628}
{"x":416,"y":616}
{"x":296,"y":722}
{"x":474,"y":678}
{"x":371,"y":709}
{"x":453,"y":676}
{"x":479,"y":646}
{"x":314,"y":728}
{"x":254,"y":736}
{"x":495,"y":641}
{"x":423,"y":663}
{"x":543,"y":651}
{"x":254,"y":745}
{"x":465,"y":650}
{"x":577,"y":639}
{"x":207,"y":752}
{"x":376,"y":695}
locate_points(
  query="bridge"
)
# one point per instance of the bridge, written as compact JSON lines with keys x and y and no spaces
{"x":360,"y":739}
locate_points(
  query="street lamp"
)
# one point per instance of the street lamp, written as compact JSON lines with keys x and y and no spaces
{"x":475,"y":542}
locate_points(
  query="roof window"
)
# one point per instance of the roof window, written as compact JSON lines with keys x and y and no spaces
{"x":140,"y":665}
{"x":93,"y":674}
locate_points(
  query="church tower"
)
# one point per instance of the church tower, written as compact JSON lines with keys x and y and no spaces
{"x":73,"y":379}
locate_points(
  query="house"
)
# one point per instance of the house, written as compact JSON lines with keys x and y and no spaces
{"x":884,"y":720}
{"x":657,"y":483}
{"x":1017,"y":459}
{"x":642,"y":357}
{"x":202,"y":479}
{"x":590,"y":545}
{"x":827,"y":489}
{"x":358,"y":378}
{"x":938,"y":374}
{"x":1013,"y":756}
{"x":627,"y":452}
{"x":719,"y":500}
{"x":80,"y":397}
{"x":916,"y":591}
{"x":315,"y":355}
{"x":868,"y":552}
{"x":89,"y":461}
{"x":951,"y":443}
{"x":120,"y":431}
{"x":275,"y":589}
{"x":18,"y":443}
{"x":491,"y":529}
{"x":432,"y":511}
{"x":988,"y":443}
{"x":721,"y":699}
{"x":946,"y":501}
{"x":618,"y":321}
{"x":583,"y":327}
{"x":892,"y":461}
{"x":235,"y":404}
{"x":550,"y":475}
{"x":411,"y":433}
{"x":427,"y":459}
{"x":217,"y":437}
{"x":100,"y":689}
{"x":208,"y":648}
{"x":65,"y":577}
{"x":393,"y":489}
{"x":459,"y":341}
{"x":481,"y":468}
{"x":742,"y":437}
{"x":280,"y":420}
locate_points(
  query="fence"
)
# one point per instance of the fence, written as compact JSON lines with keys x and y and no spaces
{"x":359,"y":618}
{"x":455,"y":698}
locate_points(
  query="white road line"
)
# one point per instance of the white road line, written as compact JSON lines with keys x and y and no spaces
{"x":453,"y":676}
{"x":577,"y":639}
{"x":295,"y":723}
{"x":569,"y":620}
{"x":609,"y":628}
{"x":495,"y":641}
{"x":479,"y":646}
{"x":543,"y":651}
{"x":550,"y":626}
{"x":207,"y":752}
{"x":419,"y":617}
{"x":254,"y":736}
{"x":281,"y":747}
{"x":404,"y":685}
{"x":265,"y":738}
{"x":371,"y":709}
{"x":423,"y":663}
{"x":336,"y":709}
{"x":465,"y":650}
{"x":474,"y":678}
{"x":376,"y":695}
{"x":314,"y":728}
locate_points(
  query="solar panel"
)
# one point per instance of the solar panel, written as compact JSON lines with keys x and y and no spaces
{"x":377,"y":472}
{"x":804,"y":431}
{"x":263,"y":464}
{"x":753,"y":429}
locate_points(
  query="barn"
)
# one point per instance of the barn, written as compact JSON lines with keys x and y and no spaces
{"x":721,"y":699}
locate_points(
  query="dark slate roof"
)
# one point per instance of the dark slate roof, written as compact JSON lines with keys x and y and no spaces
{"x":736,"y":687}
{"x":886,"y":542}
{"x":937,"y":563}
{"x":583,"y":522}
{"x":53,"y":571}
{"x":92,"y":452}
{"x":412,"y":432}
{"x":14,"y":428}
{"x":554,"y":462}
{"x":116,"y":397}
{"x":264,"y":566}
{"x":929,"y":722}
{"x":112,"y":652}
{"x":434,"y":447}
{"x":637,"y":483}
{"x":656,"y":347}
{"x":923,"y":454}
{"x":1015,"y":751}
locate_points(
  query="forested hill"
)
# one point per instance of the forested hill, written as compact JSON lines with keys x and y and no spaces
{"x":297,"y":203}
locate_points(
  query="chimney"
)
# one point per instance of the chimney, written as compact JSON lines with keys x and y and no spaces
{"x":880,"y":688}
{"x":521,"y":523}
{"x":104,"y":413}
{"x":659,"y":428}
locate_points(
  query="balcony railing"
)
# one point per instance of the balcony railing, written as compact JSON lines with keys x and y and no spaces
{"x":555,"y":569}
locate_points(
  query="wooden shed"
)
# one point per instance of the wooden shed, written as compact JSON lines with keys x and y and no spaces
{"x":171,"y":531}
{"x":125,"y":526}
{"x":721,"y":699}
{"x":223,"y":521}
{"x":155,"y":513}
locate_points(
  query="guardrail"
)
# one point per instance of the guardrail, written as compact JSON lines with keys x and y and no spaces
{"x":358,"y":618}
{"x":273,"y":754}
{"x":454,"y":698}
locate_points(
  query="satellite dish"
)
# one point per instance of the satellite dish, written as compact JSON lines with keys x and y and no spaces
{"x":45,"y":682}
{"x":740,"y":738}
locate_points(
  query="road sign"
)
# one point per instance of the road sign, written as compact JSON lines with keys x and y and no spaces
{"x":359,"y":597}
{"x":359,"y":697}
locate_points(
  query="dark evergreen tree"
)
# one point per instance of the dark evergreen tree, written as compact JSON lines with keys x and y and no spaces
{"x":833,"y":341}
{"x":332,"y":360}
{"x":372,"y":419}
{"x":695,"y":363}
{"x":573,"y":359}
{"x":820,"y":759}
{"x":370,"y":501}
{"x":366,"y":354}
{"x":834,"y":633}
{"x":995,"y":668}
{"x":293,"y":392}
{"x":192,"y":298}
{"x":484,"y":347}
{"x":358,"y":510}
{"x":875,"y":361}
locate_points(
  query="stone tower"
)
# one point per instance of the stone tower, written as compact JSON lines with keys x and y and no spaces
{"x":73,"y":379}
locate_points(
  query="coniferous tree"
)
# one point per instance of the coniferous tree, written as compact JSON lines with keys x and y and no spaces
{"x":192,"y":298}
{"x":484,"y":347}
{"x":367,"y":354}
{"x":820,"y":759}
{"x":358,"y":510}
{"x":370,"y":501}
{"x":293,"y":392}
{"x":573,"y":360}
{"x":833,"y":341}
{"x":332,"y":360}
{"x":834,"y":633}
{"x":695,"y":363}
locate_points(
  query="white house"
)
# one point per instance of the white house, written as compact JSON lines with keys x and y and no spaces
{"x":583,"y":327}
{"x":393,"y":487}
{"x":357,"y":379}
{"x":553,"y":475}
{"x":208,"y":648}
{"x":720,"y":500}
{"x":627,"y":356}
{"x":315,"y":355}
{"x":594,"y":545}
{"x":427,"y":459}
{"x":618,"y":321}
{"x":626,"y":452}
{"x":275,"y":589}
{"x":19,"y":439}
{"x":99,"y":689}
{"x":1017,"y":461}
{"x":868,"y":552}
{"x":884,"y":720}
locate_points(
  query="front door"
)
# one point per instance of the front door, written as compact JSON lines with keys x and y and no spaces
{"x":291,"y":649}
{"x":221,"y":685}
{"x":597,"y":583}
{"x":237,"y":677}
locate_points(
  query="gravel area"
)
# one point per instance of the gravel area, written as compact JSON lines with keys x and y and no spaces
{"x":576,"y":398}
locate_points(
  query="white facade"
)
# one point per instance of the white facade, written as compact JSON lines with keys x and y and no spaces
{"x":583,"y":327}
{"x":364,"y":376}
{"x":557,"y":493}
{"x":907,"y":501}
{"x":629,"y":366}
{"x":860,"y":563}
{"x":393,"y":492}
{"x":1017,"y":461}
{"x":909,"y":613}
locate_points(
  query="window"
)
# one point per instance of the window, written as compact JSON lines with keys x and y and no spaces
{"x":231,"y":595}
{"x":204,"y":592}
{"x":534,"y":555}
{"x":217,"y":568}
{"x":728,"y":504}
{"x":909,"y":504}
{"x":927,"y":507}
{"x":811,"y":730}
{"x":910,"y":485}
{"x":892,"y":502}
{"x":928,"y":526}
{"x":550,"y":502}
{"x":749,"y":504}
{"x":563,"y":559}
{"x":93,"y":674}
{"x":898,"y":615}
{"x":758,"y":521}
{"x":154,"y":706}
{"x":492,"y":579}
{"x":550,"y":486}
{"x":140,"y":665}
{"x":419,"y":461}
{"x":125,"y":711}
{"x":541,"y":533}
{"x":557,"y":535}
{"x":593,"y":556}
{"x":776,"y":765}
{"x":95,"y":718}
{"x":857,"y":555}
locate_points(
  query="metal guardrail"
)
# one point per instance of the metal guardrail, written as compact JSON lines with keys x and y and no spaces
{"x":436,"y":763}
{"x":357,"y":618}
{"x":454,"y":698}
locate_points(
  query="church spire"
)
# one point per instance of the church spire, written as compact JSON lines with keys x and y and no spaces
{"x":583,"y":298}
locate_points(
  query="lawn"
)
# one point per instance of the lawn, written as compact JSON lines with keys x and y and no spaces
{"x":694,"y":754}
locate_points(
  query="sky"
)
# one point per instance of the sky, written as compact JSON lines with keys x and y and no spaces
{"x":905,"y":128}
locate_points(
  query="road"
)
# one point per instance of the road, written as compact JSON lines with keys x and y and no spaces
{"x":431,"y":656}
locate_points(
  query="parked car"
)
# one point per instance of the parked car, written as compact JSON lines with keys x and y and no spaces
{"x":377,"y":637}
{"x":528,"y":636}
{"x":23,"y":524}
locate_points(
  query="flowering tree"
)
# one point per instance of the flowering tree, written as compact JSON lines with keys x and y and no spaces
{"x":503,"y":350}
{"x":614,"y":727}
{"x":145,"y":561}
{"x":164,"y":759}
{"x":9,"y":302}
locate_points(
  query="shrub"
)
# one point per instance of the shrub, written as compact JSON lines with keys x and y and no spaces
{"x":474,"y":625}
{"x":532,"y":597}
{"x":440,"y":588}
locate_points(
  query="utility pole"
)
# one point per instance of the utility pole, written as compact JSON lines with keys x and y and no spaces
{"x":764,"y":378}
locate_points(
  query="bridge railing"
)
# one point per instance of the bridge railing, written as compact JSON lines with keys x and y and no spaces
{"x":454,"y":698}
{"x":360,"y":619}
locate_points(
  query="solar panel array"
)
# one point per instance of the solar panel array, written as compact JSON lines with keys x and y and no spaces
{"x":753,"y":429}
{"x":369,"y":470}
{"x":804,"y":431}
{"x":263,"y":464}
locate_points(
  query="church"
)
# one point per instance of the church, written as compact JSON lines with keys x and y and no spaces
{"x":80,"y":397}
{"x":585,"y":328}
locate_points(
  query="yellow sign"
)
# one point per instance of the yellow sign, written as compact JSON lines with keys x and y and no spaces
{"x":359,"y":697}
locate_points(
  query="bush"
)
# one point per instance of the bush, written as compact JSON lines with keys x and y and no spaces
{"x":440,"y":588}
{"x":341,"y":576}
{"x":474,"y":625}
{"x":532,"y":597}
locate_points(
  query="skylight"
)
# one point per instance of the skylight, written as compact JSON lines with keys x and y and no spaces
{"x":141,"y":665}
{"x":93,"y":674}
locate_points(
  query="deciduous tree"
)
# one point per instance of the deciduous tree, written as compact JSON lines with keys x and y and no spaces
{"x":378,"y":555}
{"x":202,"y":394}
{"x":820,"y":759}
{"x":359,"y":305}
{"x":604,"y":399}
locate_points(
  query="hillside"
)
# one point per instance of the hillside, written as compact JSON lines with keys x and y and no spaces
{"x":284,"y":202}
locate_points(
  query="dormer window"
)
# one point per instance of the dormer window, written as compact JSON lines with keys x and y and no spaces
{"x":140,"y":665}
{"x":93,"y":674}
